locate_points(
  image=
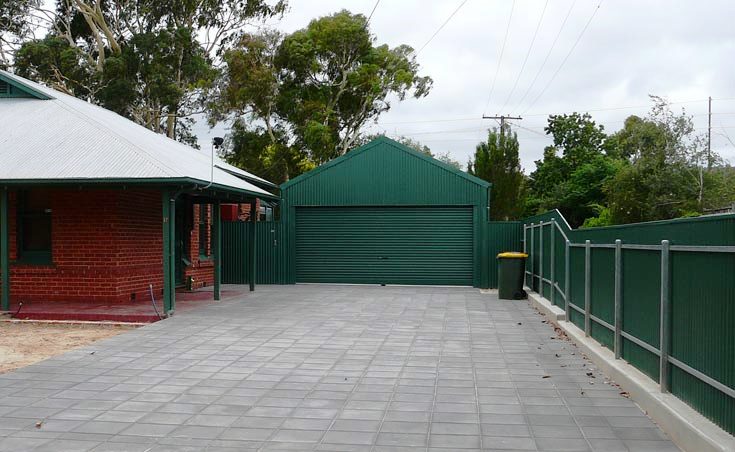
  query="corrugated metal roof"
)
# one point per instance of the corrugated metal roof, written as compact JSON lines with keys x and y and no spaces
{"x":65,"y":138}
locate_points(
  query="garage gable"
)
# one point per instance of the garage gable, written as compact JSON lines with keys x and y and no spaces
{"x":385,"y":172}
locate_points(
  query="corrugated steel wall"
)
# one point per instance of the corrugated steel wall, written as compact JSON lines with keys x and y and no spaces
{"x":702,"y":298}
{"x":270,"y":252}
{"x":502,"y":236}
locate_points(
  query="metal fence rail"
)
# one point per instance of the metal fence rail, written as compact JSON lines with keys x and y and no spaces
{"x":540,"y":278}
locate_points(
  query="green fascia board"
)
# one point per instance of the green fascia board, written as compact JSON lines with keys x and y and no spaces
{"x":25,"y":88}
{"x":164,"y":182}
{"x":395,"y":144}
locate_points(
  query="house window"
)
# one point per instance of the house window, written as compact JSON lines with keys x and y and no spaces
{"x":265,"y":214}
{"x":34,"y":227}
{"x":203,"y":231}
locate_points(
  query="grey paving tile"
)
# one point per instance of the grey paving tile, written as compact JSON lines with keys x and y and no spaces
{"x":508,"y":443}
{"x":157,"y":430}
{"x":355,"y":425}
{"x":249,"y":434}
{"x":102,"y":427}
{"x":297,"y":436}
{"x":556,"y":431}
{"x":401,"y":439}
{"x":66,"y":445}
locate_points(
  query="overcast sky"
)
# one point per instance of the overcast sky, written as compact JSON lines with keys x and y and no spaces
{"x":683,"y":51}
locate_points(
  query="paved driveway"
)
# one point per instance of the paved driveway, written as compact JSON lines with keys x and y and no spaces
{"x":335,"y":368}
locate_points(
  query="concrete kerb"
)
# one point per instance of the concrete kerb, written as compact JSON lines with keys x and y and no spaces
{"x":687,"y":428}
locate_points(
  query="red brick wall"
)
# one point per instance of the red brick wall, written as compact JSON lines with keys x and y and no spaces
{"x":106,"y":245}
{"x":202,"y":270}
{"x":139,"y":253}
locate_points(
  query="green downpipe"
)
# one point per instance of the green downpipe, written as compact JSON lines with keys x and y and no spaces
{"x":4,"y":250}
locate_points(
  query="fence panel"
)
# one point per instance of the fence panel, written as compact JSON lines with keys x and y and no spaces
{"x":703,"y":295}
{"x":602,"y":295}
{"x":502,"y":236}
{"x":672,"y":281}
{"x":269,"y":252}
{"x":576,"y":289}
{"x":559,"y":274}
{"x":545,"y":259}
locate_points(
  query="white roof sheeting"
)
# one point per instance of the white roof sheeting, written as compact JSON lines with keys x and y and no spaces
{"x":65,"y":138}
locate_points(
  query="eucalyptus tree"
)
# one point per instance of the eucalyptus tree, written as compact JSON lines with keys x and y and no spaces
{"x":313,"y":91}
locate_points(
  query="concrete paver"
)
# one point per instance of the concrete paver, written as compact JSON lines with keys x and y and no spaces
{"x":330,"y":368}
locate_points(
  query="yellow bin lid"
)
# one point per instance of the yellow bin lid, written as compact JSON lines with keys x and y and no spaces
{"x":512,"y":255}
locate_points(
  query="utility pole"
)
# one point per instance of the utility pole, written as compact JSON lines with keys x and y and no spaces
{"x":709,"y":134}
{"x":502,"y":119}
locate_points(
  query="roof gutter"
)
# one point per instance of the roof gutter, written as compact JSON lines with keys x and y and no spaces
{"x":138,"y":182}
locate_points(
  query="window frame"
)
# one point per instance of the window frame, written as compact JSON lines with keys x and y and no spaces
{"x":32,"y":257}
{"x":204,"y":239}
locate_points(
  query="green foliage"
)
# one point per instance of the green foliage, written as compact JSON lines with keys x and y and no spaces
{"x":252,"y":148}
{"x":318,"y":86}
{"x":664,"y":175}
{"x":446,"y":157}
{"x":406,"y":141}
{"x":654,"y":168}
{"x":44,"y":59}
{"x":574,"y":169}
{"x":603,"y":218}
{"x":151,"y":61}
{"x":16,"y":25}
{"x":497,"y":162}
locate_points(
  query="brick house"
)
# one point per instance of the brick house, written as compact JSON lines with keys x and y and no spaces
{"x":94,"y":207}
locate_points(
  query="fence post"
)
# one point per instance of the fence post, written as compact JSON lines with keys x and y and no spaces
{"x":567,"y":280}
{"x":587,"y":284}
{"x":664,"y":317}
{"x":551,"y":270}
{"x":618,"y":297}
{"x":541,"y":260}
{"x":525,"y":250}
{"x":530,"y":256}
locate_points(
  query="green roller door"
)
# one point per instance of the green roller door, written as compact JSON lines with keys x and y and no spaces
{"x":384,"y":245}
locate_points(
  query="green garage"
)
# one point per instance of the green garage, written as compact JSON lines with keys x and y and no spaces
{"x":386,"y":214}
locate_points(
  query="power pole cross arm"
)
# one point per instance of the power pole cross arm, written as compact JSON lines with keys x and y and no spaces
{"x":502,"y":119}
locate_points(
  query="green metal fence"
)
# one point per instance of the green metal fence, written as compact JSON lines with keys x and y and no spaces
{"x":270,"y":252}
{"x":502,"y":236}
{"x":661,"y":295}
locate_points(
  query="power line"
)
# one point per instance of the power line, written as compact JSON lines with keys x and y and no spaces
{"x":500,"y":60}
{"x":579,"y":38}
{"x":548,"y":54}
{"x":585,"y":110}
{"x":372,"y":12}
{"x":515,"y":124}
{"x":525,"y":60}
{"x":442,"y":26}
